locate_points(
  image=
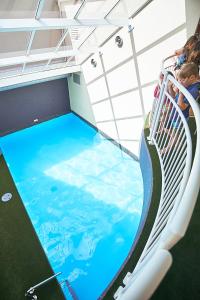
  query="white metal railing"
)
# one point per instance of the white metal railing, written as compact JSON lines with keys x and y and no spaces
{"x":169,"y":132}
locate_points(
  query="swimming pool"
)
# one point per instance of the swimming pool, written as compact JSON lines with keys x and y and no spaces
{"x":83,"y":195}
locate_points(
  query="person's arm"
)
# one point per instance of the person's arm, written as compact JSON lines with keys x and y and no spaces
{"x":179,"y":51}
{"x":170,"y":89}
{"x":181,"y":103}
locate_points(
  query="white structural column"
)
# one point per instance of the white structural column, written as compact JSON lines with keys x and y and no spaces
{"x":14,"y":25}
{"x":109,"y":96}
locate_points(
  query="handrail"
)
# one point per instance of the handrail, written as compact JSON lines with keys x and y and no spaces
{"x":31,"y":291}
{"x":169,"y":132}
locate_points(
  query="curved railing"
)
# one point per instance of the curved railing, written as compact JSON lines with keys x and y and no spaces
{"x":170,"y":133}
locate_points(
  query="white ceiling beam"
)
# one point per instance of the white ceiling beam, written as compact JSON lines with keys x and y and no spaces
{"x":36,"y":57}
{"x":14,"y":25}
{"x":27,"y":79}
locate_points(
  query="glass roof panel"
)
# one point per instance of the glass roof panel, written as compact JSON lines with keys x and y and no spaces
{"x":35,"y":66}
{"x":12,"y":42}
{"x":45,"y":39}
{"x":10,"y":70}
{"x":15,"y":9}
{"x":50,"y":9}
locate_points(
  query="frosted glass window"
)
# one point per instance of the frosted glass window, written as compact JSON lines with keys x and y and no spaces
{"x":133,"y":6}
{"x":112,"y":54}
{"x":150,"y":62}
{"x":103,"y":33}
{"x":97,"y":90}
{"x":102,"y":111}
{"x":122,"y":79}
{"x":127,"y":105}
{"x":132,"y":146}
{"x":89,"y":71}
{"x":148,"y":97}
{"x":157,"y":19}
{"x":130,"y":128}
{"x":119,"y":11}
{"x":108,"y":128}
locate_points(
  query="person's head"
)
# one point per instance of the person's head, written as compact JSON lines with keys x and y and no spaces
{"x":188,"y":74}
{"x":194,"y":55}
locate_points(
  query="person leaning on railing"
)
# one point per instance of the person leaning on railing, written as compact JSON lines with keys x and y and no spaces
{"x":184,"y":52}
{"x":188,"y":76}
{"x":194,"y":55}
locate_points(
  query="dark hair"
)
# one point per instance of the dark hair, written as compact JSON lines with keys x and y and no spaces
{"x":189,"y":45}
{"x":194,"y":55}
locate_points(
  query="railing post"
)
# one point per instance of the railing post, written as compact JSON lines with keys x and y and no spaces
{"x":156,"y":113}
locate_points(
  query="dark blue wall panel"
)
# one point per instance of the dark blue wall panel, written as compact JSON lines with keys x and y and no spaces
{"x":19,"y":107}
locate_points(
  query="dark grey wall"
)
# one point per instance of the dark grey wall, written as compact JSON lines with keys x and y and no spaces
{"x":43,"y":101}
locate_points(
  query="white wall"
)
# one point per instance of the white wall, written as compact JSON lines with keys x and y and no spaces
{"x":121,"y":86}
{"x":192,"y":15}
{"x":79,"y":99}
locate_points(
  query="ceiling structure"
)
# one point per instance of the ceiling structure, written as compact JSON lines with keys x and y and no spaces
{"x":43,"y":35}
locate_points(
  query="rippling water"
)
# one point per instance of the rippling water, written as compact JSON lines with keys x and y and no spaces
{"x":83,"y":195}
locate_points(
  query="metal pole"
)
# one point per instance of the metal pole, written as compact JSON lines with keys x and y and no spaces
{"x":43,"y":282}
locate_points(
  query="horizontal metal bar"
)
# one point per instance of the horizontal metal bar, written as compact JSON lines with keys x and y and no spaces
{"x":36,"y":57}
{"x":13,"y":25}
{"x":43,"y":282}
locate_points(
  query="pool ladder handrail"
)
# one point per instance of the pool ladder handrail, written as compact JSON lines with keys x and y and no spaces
{"x":32,"y":289}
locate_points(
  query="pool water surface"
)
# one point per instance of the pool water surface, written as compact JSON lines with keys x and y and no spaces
{"x":84,"y":197}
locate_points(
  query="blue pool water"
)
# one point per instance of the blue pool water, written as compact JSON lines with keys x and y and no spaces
{"x":83,"y":195}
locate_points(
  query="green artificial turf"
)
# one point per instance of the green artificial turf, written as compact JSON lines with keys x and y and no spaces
{"x":23,"y":262}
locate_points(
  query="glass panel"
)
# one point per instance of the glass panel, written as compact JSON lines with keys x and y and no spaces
{"x":90,"y":71}
{"x":102,"y":111}
{"x":69,"y":9}
{"x":99,"y":9}
{"x":108,"y":128}
{"x":10,"y":71}
{"x":149,"y":62}
{"x":102,"y":33}
{"x":112,"y":54}
{"x":133,"y":6}
{"x":132,"y":146}
{"x":59,"y":60}
{"x":167,"y":18}
{"x":13,"y":43}
{"x":97,"y":90}
{"x":50,"y":9}
{"x":148,"y":97}
{"x":35,"y":66}
{"x":127,"y":105}
{"x":119,"y":11}
{"x":122,"y":79}
{"x":46,"y":40}
{"x":130,"y":129}
{"x":10,"y":9}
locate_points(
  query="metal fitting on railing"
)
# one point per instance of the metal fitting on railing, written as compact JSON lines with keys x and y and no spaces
{"x":30,"y":293}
